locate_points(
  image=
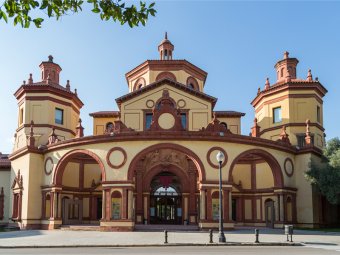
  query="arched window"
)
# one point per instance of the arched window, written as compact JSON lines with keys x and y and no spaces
{"x":224,"y":124}
{"x":109,"y":127}
{"x":140,"y":86}
{"x":282,"y":72}
{"x":192,"y":83}
{"x":116,"y":204}
{"x":191,"y":86}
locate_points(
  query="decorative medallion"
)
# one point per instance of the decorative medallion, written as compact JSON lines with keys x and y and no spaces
{"x":289,"y":167}
{"x":48,"y":166}
{"x":150,"y":103}
{"x":181,"y":103}
{"x":211,"y":157}
{"x":116,"y":157}
{"x":166,"y":120}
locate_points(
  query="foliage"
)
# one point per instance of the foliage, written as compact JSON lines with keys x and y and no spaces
{"x":326,"y":174}
{"x":22,"y":10}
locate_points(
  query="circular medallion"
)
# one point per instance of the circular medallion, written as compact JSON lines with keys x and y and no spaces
{"x":211,"y":157}
{"x":181,"y":103}
{"x":166,"y":121}
{"x":150,"y":103}
{"x":116,"y":157}
{"x":48,"y":166}
{"x":289,"y":167}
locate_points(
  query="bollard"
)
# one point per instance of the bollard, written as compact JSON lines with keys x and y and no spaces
{"x":165,"y":236}
{"x":210,"y":236}
{"x":257,"y":232}
{"x":289,"y":232}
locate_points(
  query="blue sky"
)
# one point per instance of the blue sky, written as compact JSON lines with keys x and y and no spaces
{"x":237,"y":43}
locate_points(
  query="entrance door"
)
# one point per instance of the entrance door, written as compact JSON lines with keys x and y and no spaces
{"x":166,"y":210}
{"x":99,"y":207}
{"x":72,"y":211}
{"x":269,"y":213}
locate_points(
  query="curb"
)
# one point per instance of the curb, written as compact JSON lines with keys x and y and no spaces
{"x":148,"y":245}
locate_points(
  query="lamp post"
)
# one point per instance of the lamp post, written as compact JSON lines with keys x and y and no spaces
{"x":220,"y":159}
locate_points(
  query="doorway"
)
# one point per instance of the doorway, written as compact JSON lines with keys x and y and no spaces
{"x":72,"y":211}
{"x":166,"y":200}
{"x":269,"y":213}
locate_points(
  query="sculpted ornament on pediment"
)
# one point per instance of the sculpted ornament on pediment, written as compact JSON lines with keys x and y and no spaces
{"x":165,"y":157}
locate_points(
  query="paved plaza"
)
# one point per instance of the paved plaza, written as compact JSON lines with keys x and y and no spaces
{"x":62,"y":238}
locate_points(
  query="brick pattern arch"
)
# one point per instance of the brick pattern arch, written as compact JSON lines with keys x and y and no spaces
{"x":60,"y":168}
{"x":191,"y":81}
{"x":190,"y":154}
{"x":167,"y":75}
{"x":270,"y":159}
{"x":140,"y":83}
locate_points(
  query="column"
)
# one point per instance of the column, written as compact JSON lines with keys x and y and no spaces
{"x":226,"y":204}
{"x":130,"y":203}
{"x":209,"y":205}
{"x":203,"y":205}
{"x":124,"y":203}
{"x":139,"y":194}
{"x":282,"y":217}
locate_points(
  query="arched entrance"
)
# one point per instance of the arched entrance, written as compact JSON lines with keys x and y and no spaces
{"x":154,"y":202}
{"x":258,"y":193}
{"x":166,"y":199}
{"x":78,"y":178}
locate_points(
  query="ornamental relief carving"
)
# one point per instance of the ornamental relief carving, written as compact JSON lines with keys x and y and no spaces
{"x":165,"y":157}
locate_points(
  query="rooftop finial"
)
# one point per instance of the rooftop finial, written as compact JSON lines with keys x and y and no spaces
{"x":50,"y":58}
{"x":166,"y":36}
{"x":309,"y":76}
{"x":68,"y":86}
{"x":267,"y":85}
{"x":30,"y":79}
{"x":286,"y":55}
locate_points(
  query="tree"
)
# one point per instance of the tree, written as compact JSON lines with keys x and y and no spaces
{"x":326,"y":174}
{"x":22,"y":11}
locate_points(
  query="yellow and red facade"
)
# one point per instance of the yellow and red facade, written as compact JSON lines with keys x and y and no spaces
{"x":154,"y":160}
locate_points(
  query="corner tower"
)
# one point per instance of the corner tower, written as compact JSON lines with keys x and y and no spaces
{"x":46,"y":108}
{"x":293,"y":104}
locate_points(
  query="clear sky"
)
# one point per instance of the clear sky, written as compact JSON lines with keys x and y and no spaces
{"x":237,"y":43}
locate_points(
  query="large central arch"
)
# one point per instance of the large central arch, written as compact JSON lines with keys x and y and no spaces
{"x":190,"y":154}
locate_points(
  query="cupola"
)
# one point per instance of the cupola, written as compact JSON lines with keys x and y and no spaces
{"x":165,"y":48}
{"x":50,"y":71}
{"x":286,"y":68}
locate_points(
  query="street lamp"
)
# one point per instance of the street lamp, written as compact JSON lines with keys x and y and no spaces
{"x":220,"y":159}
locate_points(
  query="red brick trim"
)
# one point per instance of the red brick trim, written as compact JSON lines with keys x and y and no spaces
{"x":285,"y":167}
{"x":167,"y":75}
{"x":48,"y":89}
{"x":291,"y":86}
{"x":48,"y":171}
{"x":140,"y":80}
{"x":217,"y":149}
{"x":270,"y":159}
{"x":60,"y":168}
{"x":161,"y":65}
{"x":291,"y":125}
{"x":46,"y":126}
{"x":198,"y":163}
{"x":109,"y":154}
{"x":52,"y":99}
{"x":193,"y":81}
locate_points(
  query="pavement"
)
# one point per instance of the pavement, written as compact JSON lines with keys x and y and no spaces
{"x":244,"y":236}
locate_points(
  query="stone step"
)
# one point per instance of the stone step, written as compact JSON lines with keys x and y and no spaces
{"x":80,"y":227}
{"x":159,"y":227}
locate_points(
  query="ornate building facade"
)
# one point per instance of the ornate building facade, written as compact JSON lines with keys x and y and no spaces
{"x":154,"y":160}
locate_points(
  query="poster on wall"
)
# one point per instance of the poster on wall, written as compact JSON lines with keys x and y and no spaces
{"x":215,"y":209}
{"x":115,"y":208}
